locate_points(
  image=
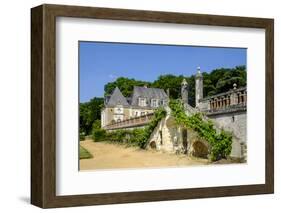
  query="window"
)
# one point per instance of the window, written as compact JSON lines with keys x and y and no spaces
{"x":136,"y":114}
{"x":154,"y":103}
{"x":142,"y":113}
{"x":163,"y":103}
{"x":119,"y":109}
{"x":142,"y":102}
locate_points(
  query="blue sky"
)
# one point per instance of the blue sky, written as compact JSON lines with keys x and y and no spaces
{"x":100,"y":62}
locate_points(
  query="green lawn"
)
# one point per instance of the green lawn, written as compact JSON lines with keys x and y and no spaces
{"x":84,"y":154}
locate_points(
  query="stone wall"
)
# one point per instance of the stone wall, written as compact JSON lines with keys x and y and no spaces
{"x":236,"y":123}
{"x":161,"y":137}
{"x":168,"y":137}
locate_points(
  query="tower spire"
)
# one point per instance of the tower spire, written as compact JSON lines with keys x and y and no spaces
{"x":184,"y":91}
{"x":198,"y":86}
{"x":198,"y":70}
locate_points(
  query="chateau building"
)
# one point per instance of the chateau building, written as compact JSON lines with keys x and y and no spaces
{"x":142,"y":102}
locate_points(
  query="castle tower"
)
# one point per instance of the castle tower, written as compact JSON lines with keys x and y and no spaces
{"x":184,"y":91}
{"x":198,"y":87}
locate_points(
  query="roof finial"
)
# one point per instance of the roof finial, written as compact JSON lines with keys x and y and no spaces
{"x":184,"y":82}
{"x":198,"y":70}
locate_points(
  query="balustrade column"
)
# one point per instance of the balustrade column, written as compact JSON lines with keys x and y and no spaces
{"x":216,"y":103}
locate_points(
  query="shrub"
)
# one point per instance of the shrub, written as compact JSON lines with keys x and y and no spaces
{"x":136,"y":137}
{"x":96,"y":124}
{"x":139,"y":137}
{"x":99,"y":135}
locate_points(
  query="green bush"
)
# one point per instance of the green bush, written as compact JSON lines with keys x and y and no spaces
{"x":99,"y":135}
{"x":137,"y":137}
{"x":220,"y":142}
{"x":140,"y":137}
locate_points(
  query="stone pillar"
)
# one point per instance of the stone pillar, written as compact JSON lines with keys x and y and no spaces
{"x":234,"y":96}
{"x":198,"y":87}
{"x":184,"y":91}
{"x":168,"y":93}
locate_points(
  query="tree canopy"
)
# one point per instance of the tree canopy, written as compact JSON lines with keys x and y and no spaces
{"x":89,"y":112}
{"x":125,"y":85}
{"x":222,"y":80}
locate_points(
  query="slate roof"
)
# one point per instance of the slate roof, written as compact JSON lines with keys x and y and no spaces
{"x":117,"y":98}
{"x":149,"y":93}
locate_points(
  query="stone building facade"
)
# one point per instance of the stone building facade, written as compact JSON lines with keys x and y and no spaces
{"x":143,"y":101}
{"x":228,"y":111}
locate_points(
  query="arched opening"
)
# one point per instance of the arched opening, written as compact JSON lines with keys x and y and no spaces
{"x":200,"y":150}
{"x":152,"y":145}
{"x":161,"y":137}
{"x":184,"y":140}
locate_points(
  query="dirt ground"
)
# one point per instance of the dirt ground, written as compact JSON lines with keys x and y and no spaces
{"x":112,"y":156}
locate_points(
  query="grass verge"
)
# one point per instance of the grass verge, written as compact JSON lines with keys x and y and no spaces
{"x":84,"y":154}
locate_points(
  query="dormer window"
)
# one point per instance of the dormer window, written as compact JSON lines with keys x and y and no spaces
{"x":154,"y":102}
{"x":142,"y":102}
{"x":118,"y":109}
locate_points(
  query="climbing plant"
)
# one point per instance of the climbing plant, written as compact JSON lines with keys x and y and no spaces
{"x":220,"y":143}
{"x":137,"y":137}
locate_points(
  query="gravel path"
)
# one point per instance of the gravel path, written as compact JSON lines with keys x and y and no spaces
{"x":112,"y":156}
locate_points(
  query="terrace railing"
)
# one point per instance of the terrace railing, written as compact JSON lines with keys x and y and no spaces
{"x":131,"y":122}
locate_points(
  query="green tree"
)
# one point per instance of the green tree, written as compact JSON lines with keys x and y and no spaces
{"x":171,"y":82}
{"x":126,"y":85}
{"x":88,"y":113}
{"x":222,"y":80}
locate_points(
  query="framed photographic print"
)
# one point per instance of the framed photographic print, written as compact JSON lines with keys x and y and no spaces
{"x":136,"y":106}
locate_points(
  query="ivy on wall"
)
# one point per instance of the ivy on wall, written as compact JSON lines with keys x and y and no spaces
{"x":220,"y":143}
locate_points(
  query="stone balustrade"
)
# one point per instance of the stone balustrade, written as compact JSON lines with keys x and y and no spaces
{"x":131,"y":122}
{"x":233,"y":99}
